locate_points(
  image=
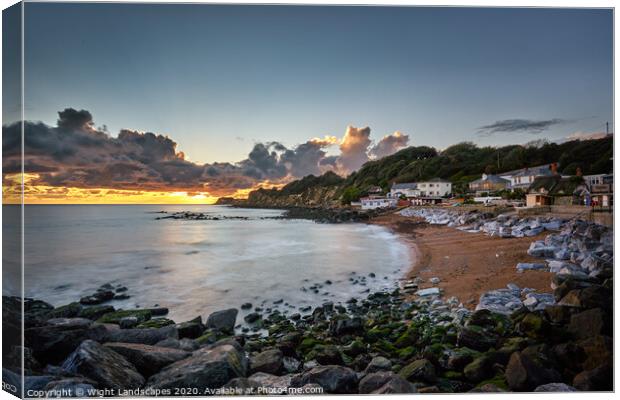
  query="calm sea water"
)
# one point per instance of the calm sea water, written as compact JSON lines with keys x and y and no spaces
{"x":197,"y":267}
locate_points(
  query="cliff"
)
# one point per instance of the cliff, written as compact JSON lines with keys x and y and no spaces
{"x":317,"y":196}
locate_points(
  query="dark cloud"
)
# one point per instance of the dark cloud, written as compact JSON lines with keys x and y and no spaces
{"x":519,"y":125}
{"x":76,"y":154}
{"x":70,"y":120}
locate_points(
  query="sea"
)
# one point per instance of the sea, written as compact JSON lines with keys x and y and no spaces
{"x":196,"y":267}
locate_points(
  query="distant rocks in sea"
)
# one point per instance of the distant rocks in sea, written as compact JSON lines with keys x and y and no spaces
{"x":317,"y":214}
{"x":198,"y":216}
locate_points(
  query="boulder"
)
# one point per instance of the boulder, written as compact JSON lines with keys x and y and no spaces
{"x":148,"y":360}
{"x":428,"y":292}
{"x":185,"y":344}
{"x":155,"y":323}
{"x":479,"y":369}
{"x":252,"y":317}
{"x":240,"y":386}
{"x":142,"y":336}
{"x":18,"y":354}
{"x":522,"y":267}
{"x":571,"y":299}
{"x":268,"y":361}
{"x":555,"y":387}
{"x":378,"y":364}
{"x":343,"y":325}
{"x":559,"y":314}
{"x":94,"y":312}
{"x":128,"y":322}
{"x":223,"y":321}
{"x":590,"y":297}
{"x":487,"y":388}
{"x":70,"y":387}
{"x":570,"y":356}
{"x":104,"y":366}
{"x":206,"y":368}
{"x":52,"y":343}
{"x":596,"y":379}
{"x":460,"y":357}
{"x":589,"y":323}
{"x":396,"y":385}
{"x":326,"y":355}
{"x":115,"y":317}
{"x":332,"y":378}
{"x":524,"y":374}
{"x":419,"y":370}
{"x":191,"y":329}
{"x":98,"y":297}
{"x":374,"y":381}
{"x":291,"y":364}
{"x":474,"y":337}
{"x":597,"y":350}
{"x":70,"y":310}
{"x":273,"y":383}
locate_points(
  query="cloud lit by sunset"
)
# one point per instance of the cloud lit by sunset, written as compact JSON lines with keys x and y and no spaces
{"x":77,"y":163}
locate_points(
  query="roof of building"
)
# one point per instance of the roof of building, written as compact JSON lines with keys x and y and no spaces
{"x":544,"y":182}
{"x":568,"y":186}
{"x":556,"y":185}
{"x":411,"y":185}
{"x":491,"y":179}
{"x":537,"y":170}
{"x":437,"y":180}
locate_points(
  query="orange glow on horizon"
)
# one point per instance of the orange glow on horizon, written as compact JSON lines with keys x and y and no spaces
{"x":42,"y":194}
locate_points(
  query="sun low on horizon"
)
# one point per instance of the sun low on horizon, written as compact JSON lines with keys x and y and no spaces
{"x":43,"y":194}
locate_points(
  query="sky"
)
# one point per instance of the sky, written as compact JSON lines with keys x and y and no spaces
{"x":220,"y":79}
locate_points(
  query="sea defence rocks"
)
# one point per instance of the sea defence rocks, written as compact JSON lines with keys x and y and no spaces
{"x":575,"y":248}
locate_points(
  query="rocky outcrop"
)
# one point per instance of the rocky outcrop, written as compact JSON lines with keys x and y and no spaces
{"x":318,"y":196}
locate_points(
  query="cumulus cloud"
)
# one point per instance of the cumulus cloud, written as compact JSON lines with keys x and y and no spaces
{"x":76,"y":154}
{"x":519,"y":125}
{"x":390,"y":144}
{"x":354,"y":148}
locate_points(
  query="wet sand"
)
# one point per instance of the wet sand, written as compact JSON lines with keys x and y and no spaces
{"x":468,"y":264}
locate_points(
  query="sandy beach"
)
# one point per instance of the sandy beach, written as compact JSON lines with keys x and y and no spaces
{"x":468,"y":264}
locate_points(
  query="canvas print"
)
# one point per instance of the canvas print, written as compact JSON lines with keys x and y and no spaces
{"x":229,"y":199}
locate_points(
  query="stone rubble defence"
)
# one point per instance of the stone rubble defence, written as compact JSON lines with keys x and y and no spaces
{"x":572,"y":248}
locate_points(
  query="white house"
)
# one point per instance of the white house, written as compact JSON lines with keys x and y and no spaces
{"x":370,"y":203}
{"x":408,"y":190}
{"x":433,"y":187}
{"x":523,"y":178}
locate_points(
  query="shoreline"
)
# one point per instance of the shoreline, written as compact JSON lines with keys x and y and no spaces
{"x":467,"y":264}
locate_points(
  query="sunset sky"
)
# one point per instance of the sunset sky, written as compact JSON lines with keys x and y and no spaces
{"x":241,"y":96}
